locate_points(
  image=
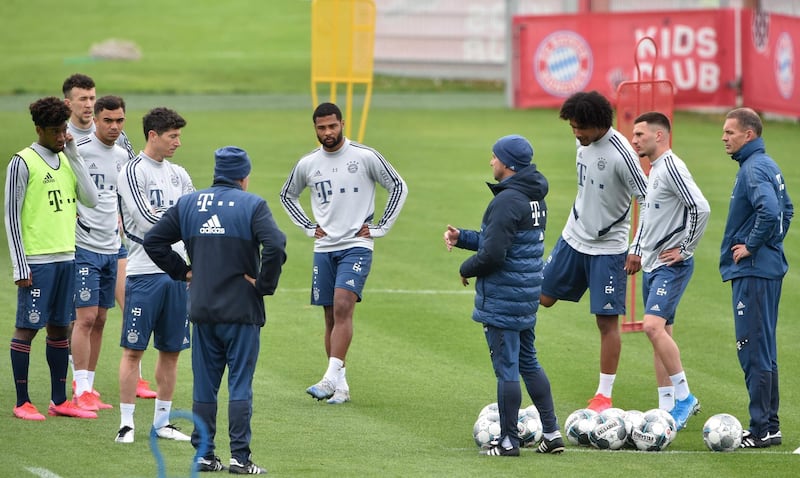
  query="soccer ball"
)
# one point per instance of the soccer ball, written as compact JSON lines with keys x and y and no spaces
{"x":529,"y":425}
{"x":655,"y":433}
{"x":613,"y":412}
{"x":492,"y":411}
{"x":668,"y":418}
{"x":722,"y":432}
{"x":531,"y":411}
{"x":633,"y":419}
{"x":578,"y":426}
{"x":485,"y":431}
{"x":609,"y":432}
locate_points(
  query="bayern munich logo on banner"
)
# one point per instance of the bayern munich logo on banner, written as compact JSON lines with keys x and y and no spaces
{"x":563,"y":63}
{"x":784,"y":65}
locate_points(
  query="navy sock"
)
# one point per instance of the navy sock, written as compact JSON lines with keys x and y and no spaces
{"x":20,"y":364}
{"x":57,"y":353}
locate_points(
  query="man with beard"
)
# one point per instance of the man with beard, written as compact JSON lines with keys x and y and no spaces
{"x":342,"y":176}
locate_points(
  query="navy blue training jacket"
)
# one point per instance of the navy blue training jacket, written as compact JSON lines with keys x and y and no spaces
{"x":759,"y":216}
{"x":508,"y":263}
{"x":227,"y":233}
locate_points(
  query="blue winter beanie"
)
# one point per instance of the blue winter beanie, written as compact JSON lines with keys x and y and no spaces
{"x":231,"y":162}
{"x":514,"y":151}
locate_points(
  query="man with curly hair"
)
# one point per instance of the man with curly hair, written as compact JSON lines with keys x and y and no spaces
{"x":44,"y":183}
{"x":592,"y":252}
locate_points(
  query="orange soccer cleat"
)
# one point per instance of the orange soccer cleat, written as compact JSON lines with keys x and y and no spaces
{"x":599,"y":402}
{"x":69,"y":409}
{"x":27,"y":411}
{"x":86,"y":401}
{"x":143,"y":389}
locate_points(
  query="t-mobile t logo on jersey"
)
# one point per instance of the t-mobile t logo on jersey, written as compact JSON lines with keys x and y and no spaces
{"x":204,"y":200}
{"x":56,"y":200}
{"x":156,"y":198}
{"x":581,"y":174}
{"x":537,"y":212}
{"x":324,"y":190}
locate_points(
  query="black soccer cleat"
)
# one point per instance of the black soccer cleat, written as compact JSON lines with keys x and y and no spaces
{"x":554,"y":446}
{"x":210,"y":464}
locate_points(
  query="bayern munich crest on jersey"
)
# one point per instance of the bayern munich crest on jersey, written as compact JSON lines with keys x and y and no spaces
{"x":563,"y":63}
{"x":352,"y":167}
{"x":132,"y":336}
{"x":784,"y":65}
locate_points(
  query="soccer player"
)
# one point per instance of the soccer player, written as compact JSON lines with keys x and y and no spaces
{"x":508,"y":266}
{"x":752,"y":258}
{"x":591,"y":252}
{"x":342,"y":176}
{"x":80,"y":95}
{"x":97,"y":247}
{"x":154,"y":303}
{"x":675,"y":218}
{"x":44,"y":182}
{"x":236,"y":253}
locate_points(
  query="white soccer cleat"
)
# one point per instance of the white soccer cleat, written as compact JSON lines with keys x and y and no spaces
{"x":171,"y":432}
{"x":339,"y":396}
{"x":124,"y":435}
{"x":322,"y":390}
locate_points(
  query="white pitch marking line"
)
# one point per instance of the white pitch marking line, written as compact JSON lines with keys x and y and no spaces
{"x":397,"y":291}
{"x":42,"y":472}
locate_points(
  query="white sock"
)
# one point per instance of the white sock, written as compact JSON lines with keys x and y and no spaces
{"x":71,"y":364}
{"x":91,"y":380}
{"x":666,"y":398}
{"x":341,"y":384}
{"x":126,"y":414}
{"x":551,"y":435}
{"x":506,"y":442}
{"x":606,"y":384}
{"x":161,"y":415}
{"x":334,"y":365}
{"x":681,"y":385}
{"x":81,"y":381}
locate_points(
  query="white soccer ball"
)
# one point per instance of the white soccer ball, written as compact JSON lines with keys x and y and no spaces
{"x":722,"y":432}
{"x":529,"y":426}
{"x":655,"y":433}
{"x":578,"y":426}
{"x":609,"y":432}
{"x":633,"y":419}
{"x":492,"y":411}
{"x":613,"y":412}
{"x":485,"y":431}
{"x":532,"y":411}
{"x":668,"y":418}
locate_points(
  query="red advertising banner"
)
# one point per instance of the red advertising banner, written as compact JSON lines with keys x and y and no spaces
{"x":555,"y":56}
{"x":770,"y":75}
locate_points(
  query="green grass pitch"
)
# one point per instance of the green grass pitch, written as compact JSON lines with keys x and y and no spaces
{"x":418,"y":367}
